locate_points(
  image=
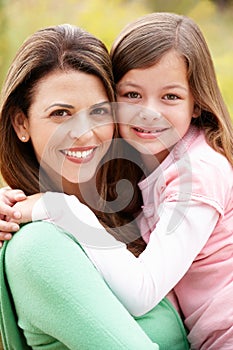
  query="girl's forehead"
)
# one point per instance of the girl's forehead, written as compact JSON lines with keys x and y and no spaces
{"x":171,"y":65}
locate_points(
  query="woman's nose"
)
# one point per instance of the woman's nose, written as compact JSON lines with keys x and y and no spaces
{"x":81,"y":132}
{"x":80,"y":127}
{"x":81,"y":135}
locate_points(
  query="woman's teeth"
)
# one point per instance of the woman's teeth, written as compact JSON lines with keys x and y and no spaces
{"x":78,"y":154}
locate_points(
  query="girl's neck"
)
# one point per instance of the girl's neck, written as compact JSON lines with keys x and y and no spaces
{"x":151,"y":162}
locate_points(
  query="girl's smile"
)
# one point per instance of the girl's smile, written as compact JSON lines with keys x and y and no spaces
{"x":147,"y":133}
{"x":161,"y":105}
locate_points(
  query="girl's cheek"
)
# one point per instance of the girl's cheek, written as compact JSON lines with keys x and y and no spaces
{"x":123,"y":130}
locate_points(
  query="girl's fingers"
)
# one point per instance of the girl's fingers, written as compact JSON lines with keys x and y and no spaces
{"x":9,"y":212}
{"x":7,"y":227}
{"x":11,"y":196}
{"x":5,"y":236}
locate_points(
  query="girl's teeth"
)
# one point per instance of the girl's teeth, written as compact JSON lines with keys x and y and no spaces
{"x":78,"y":154}
{"x":147,"y":131}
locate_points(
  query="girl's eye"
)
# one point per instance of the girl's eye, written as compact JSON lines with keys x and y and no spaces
{"x":132,"y":95}
{"x":171,"y":97}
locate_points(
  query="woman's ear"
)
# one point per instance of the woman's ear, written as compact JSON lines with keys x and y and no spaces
{"x":21,"y":126}
{"x":196,"y":111}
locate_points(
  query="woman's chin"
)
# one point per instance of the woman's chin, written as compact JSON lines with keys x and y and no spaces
{"x":79,"y":178}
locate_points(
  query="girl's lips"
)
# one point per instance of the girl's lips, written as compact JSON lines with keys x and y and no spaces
{"x":148,"y":133}
{"x":79,"y":155}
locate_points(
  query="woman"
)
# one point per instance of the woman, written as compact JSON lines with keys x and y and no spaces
{"x":56,"y":128}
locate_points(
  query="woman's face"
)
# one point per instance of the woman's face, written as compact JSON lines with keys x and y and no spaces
{"x":70,"y":124}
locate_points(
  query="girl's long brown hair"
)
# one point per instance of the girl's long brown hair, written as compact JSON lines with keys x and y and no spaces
{"x":143,"y":43}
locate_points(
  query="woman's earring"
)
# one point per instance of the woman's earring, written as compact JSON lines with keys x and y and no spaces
{"x":23,"y":138}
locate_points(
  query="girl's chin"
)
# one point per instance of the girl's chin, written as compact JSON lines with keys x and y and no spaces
{"x":150,"y":151}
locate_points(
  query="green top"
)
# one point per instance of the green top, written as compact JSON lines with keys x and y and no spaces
{"x":62,"y":302}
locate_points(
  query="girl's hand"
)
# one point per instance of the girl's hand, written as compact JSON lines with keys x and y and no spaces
{"x":25,"y":208}
{"x":8,"y":214}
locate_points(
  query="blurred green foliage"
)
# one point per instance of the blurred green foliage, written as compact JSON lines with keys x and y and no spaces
{"x":20,"y":18}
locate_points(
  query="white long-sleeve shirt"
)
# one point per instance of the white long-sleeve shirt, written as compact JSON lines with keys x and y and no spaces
{"x":140,"y":283}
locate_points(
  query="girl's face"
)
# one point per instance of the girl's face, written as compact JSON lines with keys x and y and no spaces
{"x":157,"y":105}
{"x":70,"y":124}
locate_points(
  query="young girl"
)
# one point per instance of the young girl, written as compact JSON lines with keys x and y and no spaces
{"x":172,"y":112}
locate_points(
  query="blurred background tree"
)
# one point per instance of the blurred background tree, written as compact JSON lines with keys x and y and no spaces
{"x":20,"y":18}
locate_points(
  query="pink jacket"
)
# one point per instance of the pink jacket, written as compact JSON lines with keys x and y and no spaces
{"x":205,"y":293}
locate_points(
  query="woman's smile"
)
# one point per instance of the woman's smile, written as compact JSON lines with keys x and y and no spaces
{"x":75,"y":129}
{"x":79,"y":155}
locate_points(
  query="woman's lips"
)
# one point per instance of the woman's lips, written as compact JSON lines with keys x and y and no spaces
{"x":79,"y":155}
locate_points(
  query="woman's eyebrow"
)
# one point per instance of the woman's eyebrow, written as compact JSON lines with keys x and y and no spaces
{"x":58,"y":104}
{"x":100,"y":104}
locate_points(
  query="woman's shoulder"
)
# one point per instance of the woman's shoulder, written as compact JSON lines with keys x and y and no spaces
{"x":35,"y":241}
{"x":35,"y":232}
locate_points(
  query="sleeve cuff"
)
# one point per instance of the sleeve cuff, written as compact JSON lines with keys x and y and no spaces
{"x":39,"y":211}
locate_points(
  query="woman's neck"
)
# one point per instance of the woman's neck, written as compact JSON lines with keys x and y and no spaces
{"x":86,"y":192}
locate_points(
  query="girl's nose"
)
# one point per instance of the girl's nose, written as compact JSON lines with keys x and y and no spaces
{"x":149,"y":115}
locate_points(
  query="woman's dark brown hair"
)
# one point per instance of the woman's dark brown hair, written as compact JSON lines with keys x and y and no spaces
{"x":62,"y":47}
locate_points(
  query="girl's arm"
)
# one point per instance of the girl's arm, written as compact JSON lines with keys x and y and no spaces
{"x":60,"y":298}
{"x":140,"y":283}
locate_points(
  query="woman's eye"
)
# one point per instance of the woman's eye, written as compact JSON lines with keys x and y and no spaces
{"x":60,"y":113}
{"x":104,"y":110}
{"x":171,"y":97}
{"x":99,"y":111}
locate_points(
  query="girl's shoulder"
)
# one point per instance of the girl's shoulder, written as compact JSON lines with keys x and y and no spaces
{"x":200,"y":152}
{"x":200,"y":170}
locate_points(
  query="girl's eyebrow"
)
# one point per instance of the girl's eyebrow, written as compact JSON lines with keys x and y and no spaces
{"x":134,"y":85}
{"x":127,"y":84}
{"x":58,"y":104}
{"x":176,"y":86}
